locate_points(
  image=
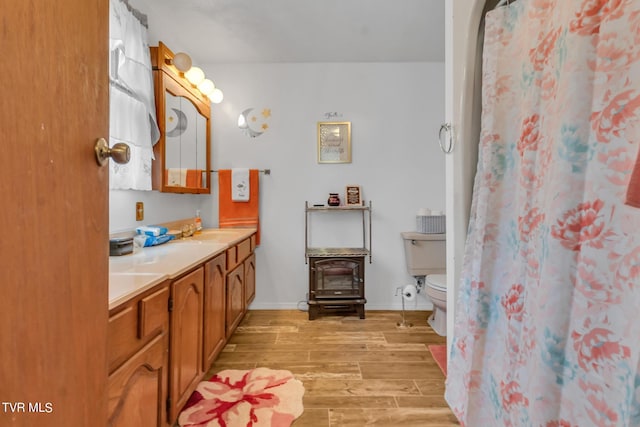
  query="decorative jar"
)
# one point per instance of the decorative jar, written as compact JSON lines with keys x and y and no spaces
{"x":334,"y":199}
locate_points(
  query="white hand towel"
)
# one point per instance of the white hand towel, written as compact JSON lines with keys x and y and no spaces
{"x":240,"y":185}
{"x":177,"y":177}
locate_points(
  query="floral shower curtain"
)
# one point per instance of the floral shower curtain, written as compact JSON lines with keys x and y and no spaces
{"x":547,"y":331}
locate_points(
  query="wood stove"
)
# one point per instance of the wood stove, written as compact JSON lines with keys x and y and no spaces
{"x":336,"y":284}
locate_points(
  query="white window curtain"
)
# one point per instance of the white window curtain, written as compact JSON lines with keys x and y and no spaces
{"x":132,"y":114}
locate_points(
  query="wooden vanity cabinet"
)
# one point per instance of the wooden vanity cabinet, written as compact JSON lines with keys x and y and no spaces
{"x":249,"y":280}
{"x":235,"y":306}
{"x":185,"y":347}
{"x":138,"y":334}
{"x":240,"y":281}
{"x":214,"y":337}
{"x":162,"y":342}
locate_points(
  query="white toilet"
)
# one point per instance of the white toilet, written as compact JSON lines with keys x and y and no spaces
{"x":426,"y":258}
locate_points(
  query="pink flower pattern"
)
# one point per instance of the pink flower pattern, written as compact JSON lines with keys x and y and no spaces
{"x":542,"y":52}
{"x":548,"y":85}
{"x":614,"y":118}
{"x":528,"y":222}
{"x":599,"y":410}
{"x":560,"y":423}
{"x":593,"y":13}
{"x":627,"y":270}
{"x":545,"y":330}
{"x":590,"y":282}
{"x":596,"y":346}
{"x":530,"y":136}
{"x":618,"y":165}
{"x":257,"y":398}
{"x":613,"y":57}
{"x":512,"y":395}
{"x":582,"y":225}
{"x":513,"y":302}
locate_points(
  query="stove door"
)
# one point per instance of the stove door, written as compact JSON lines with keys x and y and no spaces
{"x":337,"y":278}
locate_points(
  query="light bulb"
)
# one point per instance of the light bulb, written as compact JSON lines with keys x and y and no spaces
{"x":206,"y":87}
{"x":195,"y":75}
{"x":182,"y":61}
{"x":217,"y":96}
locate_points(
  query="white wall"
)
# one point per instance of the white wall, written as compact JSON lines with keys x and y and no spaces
{"x":158,"y":208}
{"x":395,"y":110}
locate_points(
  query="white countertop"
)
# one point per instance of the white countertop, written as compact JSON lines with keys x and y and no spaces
{"x":130,"y":275}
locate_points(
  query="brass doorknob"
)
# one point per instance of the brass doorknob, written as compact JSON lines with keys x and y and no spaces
{"x":120,"y":152}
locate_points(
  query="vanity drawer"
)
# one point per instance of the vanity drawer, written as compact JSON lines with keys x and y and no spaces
{"x":153,"y":313}
{"x":238,"y":253}
{"x":232,"y":258}
{"x":244,"y":250}
{"x":135,"y":323}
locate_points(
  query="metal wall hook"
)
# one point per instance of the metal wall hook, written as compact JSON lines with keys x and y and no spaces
{"x":446,"y":128}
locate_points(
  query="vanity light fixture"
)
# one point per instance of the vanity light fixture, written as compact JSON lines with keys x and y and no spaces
{"x":211,"y":91}
{"x":217,"y":96}
{"x":196,"y":77}
{"x":207,"y":87}
{"x":182,"y":62}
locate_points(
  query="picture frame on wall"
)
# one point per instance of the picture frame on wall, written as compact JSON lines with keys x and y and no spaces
{"x":353,"y":195}
{"x":334,"y":142}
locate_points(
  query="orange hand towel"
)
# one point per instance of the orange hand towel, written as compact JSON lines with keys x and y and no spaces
{"x":633,"y":190}
{"x":239,"y":214}
{"x":194,"y":178}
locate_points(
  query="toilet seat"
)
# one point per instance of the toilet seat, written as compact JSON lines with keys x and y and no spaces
{"x":437,"y":281}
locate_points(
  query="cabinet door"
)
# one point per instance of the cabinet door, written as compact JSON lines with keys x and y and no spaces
{"x":235,"y":298}
{"x":136,"y":391}
{"x":249,"y":280}
{"x":214,"y":314}
{"x":186,"y":339}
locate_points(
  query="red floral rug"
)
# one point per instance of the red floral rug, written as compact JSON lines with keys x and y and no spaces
{"x":260,"y":397}
{"x":439,"y":354}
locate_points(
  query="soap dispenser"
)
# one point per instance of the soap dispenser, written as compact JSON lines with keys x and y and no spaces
{"x":198,"y":221}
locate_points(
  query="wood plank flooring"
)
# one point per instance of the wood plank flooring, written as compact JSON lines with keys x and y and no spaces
{"x":355,"y":372}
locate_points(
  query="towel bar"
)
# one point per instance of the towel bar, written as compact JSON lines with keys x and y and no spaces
{"x":264,"y":171}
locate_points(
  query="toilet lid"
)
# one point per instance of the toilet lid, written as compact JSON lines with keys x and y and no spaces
{"x":438,"y":281}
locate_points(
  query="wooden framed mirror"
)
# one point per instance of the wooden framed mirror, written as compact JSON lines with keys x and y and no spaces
{"x":183,"y":153}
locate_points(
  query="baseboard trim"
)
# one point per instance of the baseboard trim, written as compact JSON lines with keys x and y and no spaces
{"x":422,"y":306}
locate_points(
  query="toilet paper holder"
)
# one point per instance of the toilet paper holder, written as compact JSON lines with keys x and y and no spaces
{"x":407,"y":292}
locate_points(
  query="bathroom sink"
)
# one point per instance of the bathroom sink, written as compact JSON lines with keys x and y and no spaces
{"x":123,"y":284}
{"x":218,"y":231}
{"x":217,"y":235}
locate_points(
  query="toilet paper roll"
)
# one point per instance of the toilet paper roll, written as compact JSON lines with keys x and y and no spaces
{"x":424,"y":211}
{"x":409,"y":292}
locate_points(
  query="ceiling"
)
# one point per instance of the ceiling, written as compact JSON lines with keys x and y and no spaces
{"x":264,"y":31}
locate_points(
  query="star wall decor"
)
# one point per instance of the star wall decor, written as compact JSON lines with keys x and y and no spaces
{"x":254,"y":125}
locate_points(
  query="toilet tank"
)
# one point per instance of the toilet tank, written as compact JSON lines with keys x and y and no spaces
{"x":425,"y":253}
